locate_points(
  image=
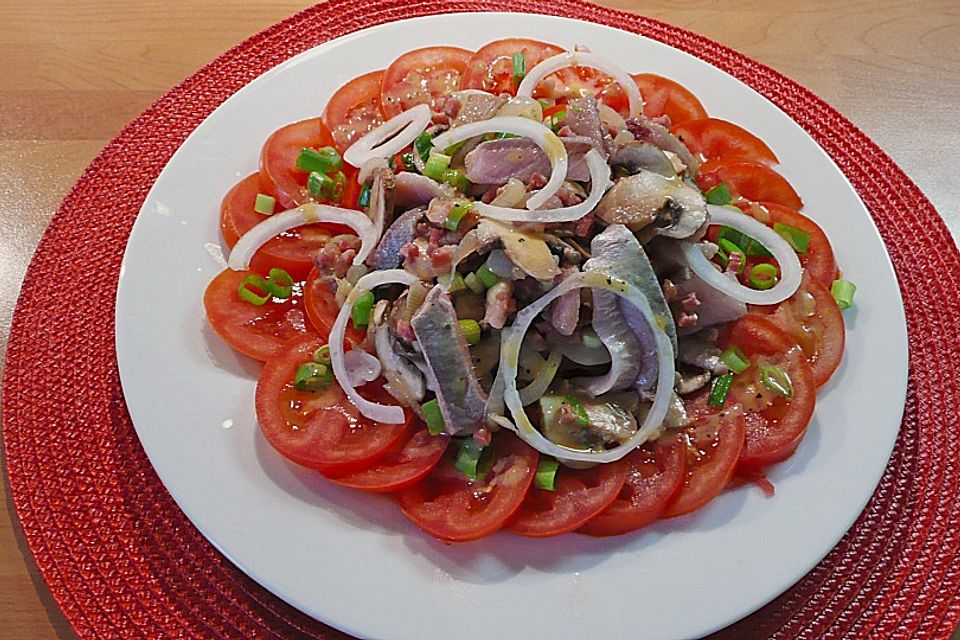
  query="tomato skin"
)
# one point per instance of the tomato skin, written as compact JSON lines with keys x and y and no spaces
{"x":258,"y":332}
{"x":578,"y":496}
{"x":774,"y":432}
{"x":354,"y":110}
{"x":321,"y":430}
{"x":714,"y":138}
{"x":818,"y":261}
{"x":655,"y":476}
{"x":442,"y":68}
{"x":450,"y":507}
{"x":665,"y":97}
{"x":320,"y":303}
{"x":278,"y":159}
{"x":714,"y":444}
{"x":407,"y":464}
{"x":820,"y":332}
{"x":491,"y":67}
{"x":751,"y":180}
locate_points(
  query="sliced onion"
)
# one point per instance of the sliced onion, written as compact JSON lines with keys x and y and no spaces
{"x":361,"y":367}
{"x":582,"y":354}
{"x":385,"y":414}
{"x":584,"y":59}
{"x":790,"y":269}
{"x":308,"y":213}
{"x":536,"y":131}
{"x":510,"y":354}
{"x":389,"y":138}
{"x":599,"y":183}
{"x":544,"y":378}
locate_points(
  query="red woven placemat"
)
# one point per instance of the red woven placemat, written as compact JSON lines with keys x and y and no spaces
{"x":124,"y":562}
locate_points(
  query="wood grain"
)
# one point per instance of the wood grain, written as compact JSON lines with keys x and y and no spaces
{"x":75,"y":73}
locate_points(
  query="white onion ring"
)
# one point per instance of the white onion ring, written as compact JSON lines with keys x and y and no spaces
{"x":790,"y":269}
{"x":539,"y":385}
{"x":581,"y":354}
{"x":361,"y":367}
{"x":383,"y":413}
{"x":583,"y":59}
{"x":599,"y":183}
{"x":536,"y":131}
{"x":308,"y":213}
{"x":389,"y":138}
{"x":510,"y":355}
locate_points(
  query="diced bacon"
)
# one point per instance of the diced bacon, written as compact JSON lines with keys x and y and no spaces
{"x":687,"y":319}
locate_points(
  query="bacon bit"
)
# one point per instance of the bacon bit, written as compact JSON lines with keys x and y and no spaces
{"x":451,"y":106}
{"x":584,"y":224}
{"x":410,"y":252}
{"x":663,"y":120}
{"x":441,"y":257}
{"x":482,"y":436}
{"x":567,"y":416}
{"x":440,"y":118}
{"x":568,"y":197}
{"x":735,"y":262}
{"x":491,"y":193}
{"x":404,"y":331}
{"x":690,"y":302}
{"x":669,"y":290}
{"x":337,"y":255}
{"x":536,"y":181}
{"x":565,"y":132}
{"x":688,"y":319}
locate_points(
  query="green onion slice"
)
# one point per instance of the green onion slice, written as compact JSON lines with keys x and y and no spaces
{"x":457,"y":213}
{"x":423,"y":144}
{"x":312,"y":376}
{"x":749,"y":246}
{"x":322,"y":355}
{"x":362,"y":309}
{"x":433,"y":417}
{"x":764,"y":276}
{"x":457,"y":284}
{"x":363,"y":199}
{"x":310,"y":160}
{"x":578,"y":410}
{"x":519,"y":67}
{"x":436,"y":166}
{"x":486,"y":277}
{"x":796,"y":238}
{"x":456,"y":179}
{"x":333,"y":156}
{"x":469,"y":458}
{"x":470,"y":330}
{"x":473,"y":283}
{"x":718,"y":195}
{"x":546,"y":476}
{"x":720,"y":390}
{"x":842,"y":291}
{"x":735,"y":360}
{"x":251,"y":296}
{"x":727,"y":249}
{"x":279,"y":283}
{"x":319,"y":184}
{"x":265,"y":204}
{"x":776,"y":380}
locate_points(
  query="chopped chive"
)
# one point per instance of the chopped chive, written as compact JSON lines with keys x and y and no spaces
{"x":470,"y":330}
{"x":457,"y":213}
{"x":362,"y":309}
{"x":265,"y":204}
{"x":486,"y":277}
{"x":578,"y":410}
{"x":457,"y":284}
{"x":735,"y":360}
{"x":456,"y":179}
{"x":423,"y":144}
{"x":728,"y":249}
{"x":363,"y":199}
{"x":474,"y":284}
{"x":519,"y":67}
{"x":311,"y":160}
{"x":720,"y":390}
{"x":749,"y":246}
{"x":468,"y":458}
{"x":246,"y":293}
{"x":436,"y":166}
{"x":718,"y":195}
{"x":322,"y":355}
{"x":796,"y":238}
{"x":764,"y":276}
{"x":312,"y":376}
{"x":546,"y":475}
{"x":776,"y":380}
{"x":433,"y":417}
{"x":279,"y":284}
{"x":842,"y":291}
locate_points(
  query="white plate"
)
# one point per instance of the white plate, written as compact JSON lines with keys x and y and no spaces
{"x":352,"y":560}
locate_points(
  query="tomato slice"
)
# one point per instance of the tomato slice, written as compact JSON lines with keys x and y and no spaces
{"x":812,"y":318}
{"x":451,"y":507}
{"x":321,"y":430}
{"x":422,"y":76}
{"x":291,"y":251}
{"x":714,"y":443}
{"x":774,"y":425}
{"x":747,"y":179}
{"x":258,"y":332}
{"x":656,"y":474}
{"x":354,"y":110}
{"x":578,"y":495}
{"x":665,"y":97}
{"x":491,"y":67}
{"x":713,"y":138}
{"x":320,"y":303}
{"x":411,"y":460}
{"x":818,"y":260}
{"x":278,"y":159}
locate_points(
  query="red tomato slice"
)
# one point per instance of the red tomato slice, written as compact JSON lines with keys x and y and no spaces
{"x":410,"y":461}
{"x":714,"y":443}
{"x":774,"y":425}
{"x":451,"y":507}
{"x":258,"y":332}
{"x":491,"y":68}
{"x":664,"y":97}
{"x":278,"y":159}
{"x":656,"y":475}
{"x":713,"y":138}
{"x":812,"y":318}
{"x":354,"y":110}
{"x":818,"y":259}
{"x":421,"y":77}
{"x":320,"y":303}
{"x":750,"y":180}
{"x":321,"y":430}
{"x":578,"y":495}
{"x":291,"y":251}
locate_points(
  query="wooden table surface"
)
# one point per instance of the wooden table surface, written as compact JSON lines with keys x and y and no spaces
{"x":74,"y":73}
